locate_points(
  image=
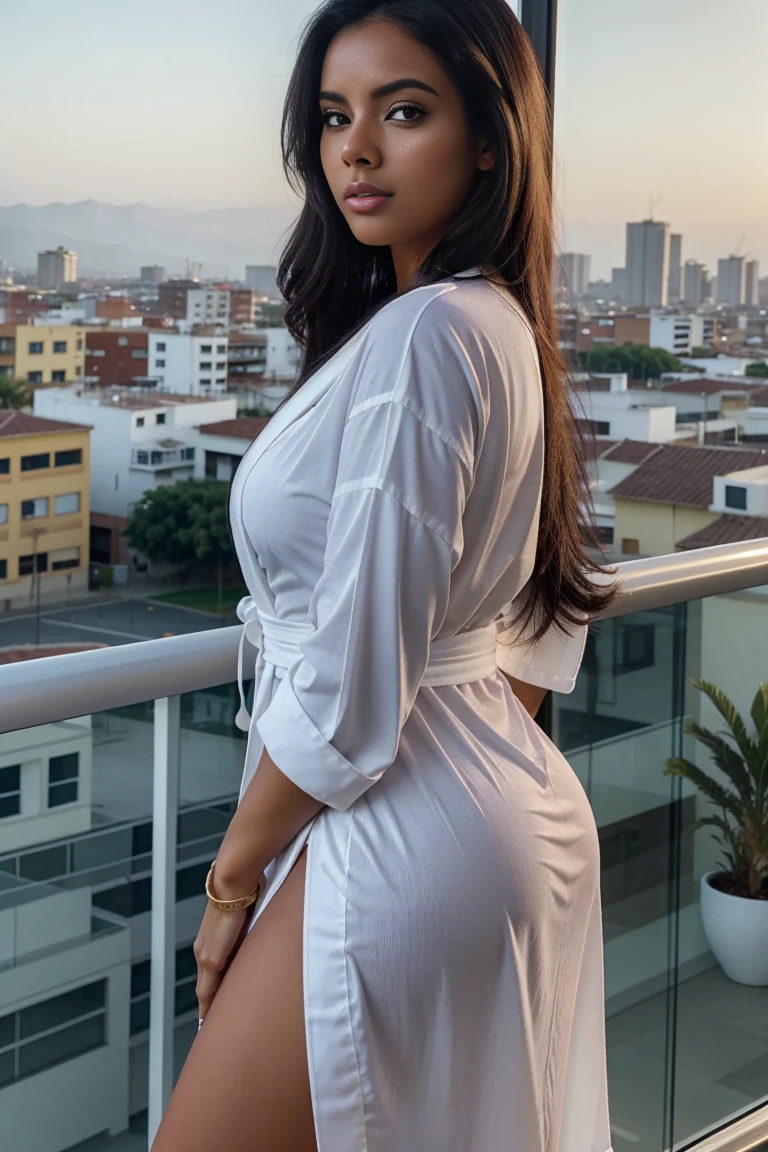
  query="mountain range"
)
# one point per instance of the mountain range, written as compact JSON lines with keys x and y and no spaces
{"x":116,"y":240}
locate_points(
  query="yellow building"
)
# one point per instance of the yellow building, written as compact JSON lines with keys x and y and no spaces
{"x":670,"y":496}
{"x":49,"y":354}
{"x":44,"y":507}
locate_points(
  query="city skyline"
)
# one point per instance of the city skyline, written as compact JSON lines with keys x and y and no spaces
{"x":156,"y":98}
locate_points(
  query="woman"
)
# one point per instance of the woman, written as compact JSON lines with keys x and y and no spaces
{"x":422,"y":968}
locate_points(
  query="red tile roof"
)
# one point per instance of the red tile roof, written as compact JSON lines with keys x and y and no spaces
{"x":13,"y":423}
{"x":710,"y":387}
{"x":16,"y":653}
{"x":630,"y":451}
{"x":727,"y":529}
{"x":241,"y":428}
{"x":758,"y":397}
{"x":683,"y":474}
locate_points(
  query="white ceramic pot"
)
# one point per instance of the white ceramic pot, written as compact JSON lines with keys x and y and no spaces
{"x":737,"y":932}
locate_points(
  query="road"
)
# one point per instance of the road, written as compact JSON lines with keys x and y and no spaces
{"x":118,"y":622}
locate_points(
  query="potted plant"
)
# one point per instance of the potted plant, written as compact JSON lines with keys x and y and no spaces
{"x":734,"y":900}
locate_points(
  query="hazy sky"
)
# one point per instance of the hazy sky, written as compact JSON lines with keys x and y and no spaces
{"x":177,"y":103}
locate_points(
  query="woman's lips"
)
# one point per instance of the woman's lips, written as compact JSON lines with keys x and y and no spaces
{"x":366,"y":203}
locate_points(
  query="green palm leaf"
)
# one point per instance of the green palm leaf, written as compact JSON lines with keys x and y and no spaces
{"x":733,"y":719}
{"x":726,"y":758}
{"x":676,"y":766}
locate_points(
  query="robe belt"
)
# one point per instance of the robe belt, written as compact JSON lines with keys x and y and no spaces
{"x":457,"y":659}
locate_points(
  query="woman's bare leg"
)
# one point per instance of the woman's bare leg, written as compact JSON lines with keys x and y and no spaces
{"x":245,"y":1084}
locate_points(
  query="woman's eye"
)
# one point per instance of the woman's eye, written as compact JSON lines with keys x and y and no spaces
{"x":408,"y":108}
{"x":326,"y":117}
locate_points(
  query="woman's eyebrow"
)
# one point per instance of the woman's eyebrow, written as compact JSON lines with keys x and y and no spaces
{"x":382,"y":90}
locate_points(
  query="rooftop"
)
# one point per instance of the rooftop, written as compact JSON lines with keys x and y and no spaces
{"x":136,"y":398}
{"x":240,"y":428}
{"x":18,"y":652}
{"x":13,"y":423}
{"x":727,"y":529}
{"x":709,"y":387}
{"x":630,"y":451}
{"x":683,"y":474}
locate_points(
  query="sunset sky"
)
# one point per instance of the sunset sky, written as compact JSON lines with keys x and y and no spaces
{"x":177,"y":103}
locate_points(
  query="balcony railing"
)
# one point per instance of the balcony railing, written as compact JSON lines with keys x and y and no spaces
{"x":685,"y":1044}
{"x":161,"y":458}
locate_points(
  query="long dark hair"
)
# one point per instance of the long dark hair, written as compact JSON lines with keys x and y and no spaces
{"x":333,"y":284}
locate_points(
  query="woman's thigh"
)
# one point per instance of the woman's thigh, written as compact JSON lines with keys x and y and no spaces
{"x":245,"y":1084}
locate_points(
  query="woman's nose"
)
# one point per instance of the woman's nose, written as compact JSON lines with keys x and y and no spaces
{"x":359,"y":148}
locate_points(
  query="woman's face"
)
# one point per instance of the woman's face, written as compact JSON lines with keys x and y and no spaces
{"x":393,"y":119}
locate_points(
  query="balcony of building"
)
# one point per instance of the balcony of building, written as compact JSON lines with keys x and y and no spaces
{"x":97,"y":920}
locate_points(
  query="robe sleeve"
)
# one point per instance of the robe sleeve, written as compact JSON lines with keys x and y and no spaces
{"x":394,"y":535}
{"x":553,"y":662}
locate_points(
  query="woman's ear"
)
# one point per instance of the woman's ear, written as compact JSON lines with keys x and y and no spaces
{"x":485,"y":158}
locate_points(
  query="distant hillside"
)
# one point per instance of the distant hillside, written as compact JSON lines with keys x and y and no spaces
{"x":117,"y":239}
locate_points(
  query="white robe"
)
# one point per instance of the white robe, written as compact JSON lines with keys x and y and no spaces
{"x":453,"y":953}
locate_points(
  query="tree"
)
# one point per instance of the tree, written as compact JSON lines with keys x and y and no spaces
{"x":639,"y":361}
{"x":760,"y":369}
{"x":14,"y":393}
{"x":185,"y":524}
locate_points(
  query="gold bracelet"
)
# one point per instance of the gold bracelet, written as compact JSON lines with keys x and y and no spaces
{"x":232,"y":905}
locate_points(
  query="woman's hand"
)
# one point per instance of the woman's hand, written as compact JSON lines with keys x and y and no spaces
{"x":220,"y":936}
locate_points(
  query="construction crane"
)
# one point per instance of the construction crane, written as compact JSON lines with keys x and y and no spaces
{"x":652,"y":202}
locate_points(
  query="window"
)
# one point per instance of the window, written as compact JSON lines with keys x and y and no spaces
{"x":159,"y":363}
{"x":63,"y":773}
{"x":3,"y":513}
{"x":185,"y":999}
{"x":34,"y":509}
{"x":10,"y":791}
{"x":204,"y":381}
{"x":142,"y":457}
{"x":630,"y":546}
{"x":187,"y":453}
{"x":735,"y":497}
{"x":32,"y":463}
{"x":221,"y":366}
{"x":206,"y":347}
{"x":635,"y":647}
{"x":59,"y":346}
{"x":3,"y":569}
{"x":205,"y":365}
{"x":70,"y":456}
{"x":53,"y":1031}
{"x":122,"y":341}
{"x":58,"y":376}
{"x":35,"y":348}
{"x":79,"y":346}
{"x":160,"y":418}
{"x":34,"y":377}
{"x":601,"y":427}
{"x":160,"y":346}
{"x":139,"y":354}
{"x":78,"y":370}
{"x":63,"y":558}
{"x":221,"y":349}
{"x":26,"y":563}
{"x":139,"y":421}
{"x":5,"y":466}
{"x":62,"y":505}
{"x":97,"y":352}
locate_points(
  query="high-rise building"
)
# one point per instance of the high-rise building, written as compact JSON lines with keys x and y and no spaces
{"x":619,"y":284}
{"x":694,"y":277}
{"x":675,"y":266}
{"x":647,"y":263}
{"x":751,"y":277}
{"x":731,"y":280}
{"x":152,"y":274}
{"x":576,"y":271}
{"x":56,"y":267}
{"x":262,"y":278}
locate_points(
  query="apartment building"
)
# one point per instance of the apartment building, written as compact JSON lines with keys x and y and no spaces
{"x":673,"y":495}
{"x":44,"y":507}
{"x":115,"y":356}
{"x":141,"y":441}
{"x":222,"y":445}
{"x":190,"y":364}
{"x":43,"y":354}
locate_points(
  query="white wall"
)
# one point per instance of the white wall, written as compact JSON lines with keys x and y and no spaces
{"x":755,"y":483}
{"x":627,"y":418}
{"x":283,"y":353}
{"x":176,"y":360}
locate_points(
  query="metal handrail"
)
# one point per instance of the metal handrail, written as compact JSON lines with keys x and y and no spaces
{"x":55,"y":688}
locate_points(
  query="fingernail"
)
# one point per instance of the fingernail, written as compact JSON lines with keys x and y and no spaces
{"x":199,"y":1023}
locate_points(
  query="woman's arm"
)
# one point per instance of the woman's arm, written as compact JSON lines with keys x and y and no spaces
{"x":270,"y":814}
{"x":529,"y":695}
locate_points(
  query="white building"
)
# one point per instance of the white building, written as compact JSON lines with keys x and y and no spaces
{"x":188,"y":365}
{"x":283,"y":355}
{"x":672,"y":332}
{"x":140,"y":441}
{"x":751,"y":278}
{"x":694,"y":282}
{"x":647,"y":263}
{"x":744,"y":491}
{"x":625,"y":414}
{"x":208,"y":306}
{"x":731,"y":280}
{"x":56,"y":267}
{"x":576,"y":268}
{"x":674,"y":283}
{"x":262,"y":277}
